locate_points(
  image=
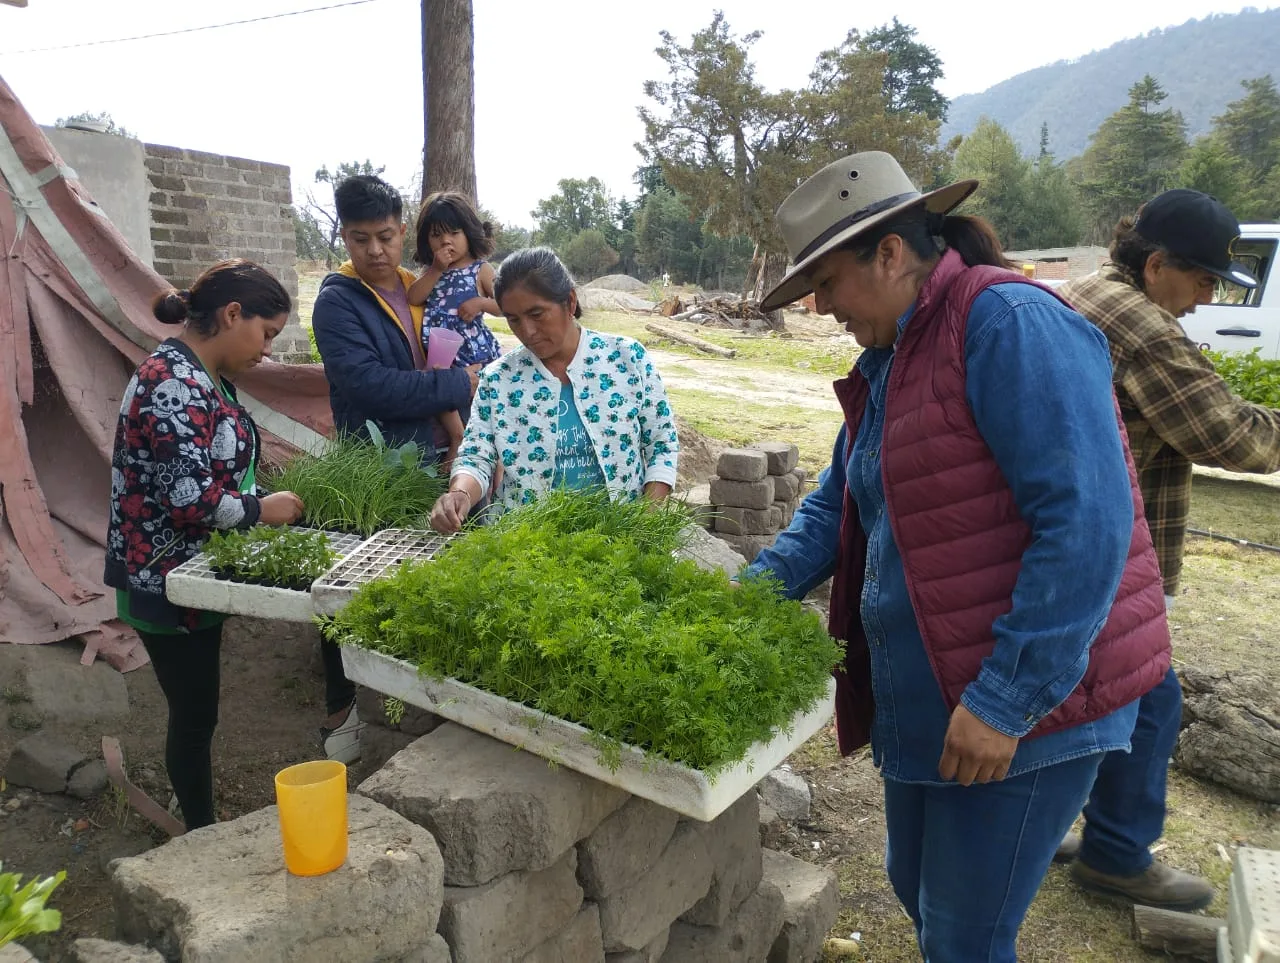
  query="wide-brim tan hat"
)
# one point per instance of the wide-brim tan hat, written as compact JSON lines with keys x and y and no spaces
{"x":845,"y":199}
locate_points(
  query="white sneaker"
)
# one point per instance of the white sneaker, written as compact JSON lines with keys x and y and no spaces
{"x":343,"y":743}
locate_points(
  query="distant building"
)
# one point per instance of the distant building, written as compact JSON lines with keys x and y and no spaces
{"x":1061,"y":263}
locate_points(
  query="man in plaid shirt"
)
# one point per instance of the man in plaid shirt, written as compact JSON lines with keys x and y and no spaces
{"x":1178,"y":412}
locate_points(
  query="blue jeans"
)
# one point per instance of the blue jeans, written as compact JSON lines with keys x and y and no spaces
{"x":1125,"y":814}
{"x":967,"y":861}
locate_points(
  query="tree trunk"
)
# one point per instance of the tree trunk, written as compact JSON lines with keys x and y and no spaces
{"x":1182,"y":933}
{"x":691,"y":341}
{"x":753,"y":271}
{"x":771,"y":271}
{"x":1231,"y":731}
{"x":448,"y":98}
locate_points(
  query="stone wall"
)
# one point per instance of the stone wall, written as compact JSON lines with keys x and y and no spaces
{"x":207,"y":207}
{"x":111,"y":167}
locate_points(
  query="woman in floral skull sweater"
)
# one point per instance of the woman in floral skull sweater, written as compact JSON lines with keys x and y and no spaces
{"x":184,"y":463}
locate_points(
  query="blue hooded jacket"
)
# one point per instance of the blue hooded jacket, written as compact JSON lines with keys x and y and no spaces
{"x":369,"y":364}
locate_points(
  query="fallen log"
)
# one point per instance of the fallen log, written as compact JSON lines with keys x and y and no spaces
{"x":693,"y":342}
{"x":1231,"y":731}
{"x":1182,"y":933}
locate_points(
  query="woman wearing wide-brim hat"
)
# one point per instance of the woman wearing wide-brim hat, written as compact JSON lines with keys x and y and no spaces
{"x":994,"y":579}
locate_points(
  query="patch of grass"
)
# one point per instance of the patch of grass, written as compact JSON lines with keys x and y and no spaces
{"x":1241,"y":509}
{"x":813,"y":430}
{"x":23,"y":721}
{"x":1225,"y":614}
{"x":14,"y":694}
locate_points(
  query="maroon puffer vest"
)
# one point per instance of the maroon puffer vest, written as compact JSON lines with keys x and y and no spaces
{"x":960,"y":534}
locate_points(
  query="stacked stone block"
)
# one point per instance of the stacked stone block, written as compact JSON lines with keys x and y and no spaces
{"x":222,"y":895}
{"x":464,"y":849}
{"x":754,"y":495}
{"x":545,"y":864}
{"x":206,"y":208}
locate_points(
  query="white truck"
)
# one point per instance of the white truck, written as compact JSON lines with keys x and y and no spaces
{"x":1240,"y":319}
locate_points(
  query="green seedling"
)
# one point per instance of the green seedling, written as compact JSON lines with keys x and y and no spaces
{"x":362,"y":486}
{"x":22,"y":908}
{"x":576,"y":606}
{"x":276,"y":557}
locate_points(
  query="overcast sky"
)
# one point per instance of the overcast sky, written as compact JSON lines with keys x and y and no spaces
{"x":557,"y":81}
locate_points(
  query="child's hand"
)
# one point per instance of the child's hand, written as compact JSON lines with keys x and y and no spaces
{"x":442,"y":258}
{"x":471,"y":308}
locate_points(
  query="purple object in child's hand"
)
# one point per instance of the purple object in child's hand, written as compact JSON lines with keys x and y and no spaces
{"x":442,"y":347}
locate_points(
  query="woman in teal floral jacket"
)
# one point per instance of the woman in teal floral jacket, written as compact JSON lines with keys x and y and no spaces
{"x":571,"y":408}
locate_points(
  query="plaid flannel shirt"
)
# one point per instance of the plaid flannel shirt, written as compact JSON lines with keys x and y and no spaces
{"x":1177,"y":410}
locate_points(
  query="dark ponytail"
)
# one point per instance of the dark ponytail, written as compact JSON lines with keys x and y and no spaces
{"x":542,"y":272}
{"x":928,"y":234}
{"x":257,"y":292}
{"x":172,"y":307}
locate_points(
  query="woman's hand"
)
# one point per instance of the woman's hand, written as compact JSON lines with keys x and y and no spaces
{"x":281,"y":508}
{"x":973,"y":751}
{"x":450,"y":512}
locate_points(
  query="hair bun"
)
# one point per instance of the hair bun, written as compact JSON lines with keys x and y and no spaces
{"x":172,"y":307}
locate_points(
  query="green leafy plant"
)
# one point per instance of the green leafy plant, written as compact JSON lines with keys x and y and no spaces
{"x":361,"y":486}
{"x":577,"y":606}
{"x":393,"y":710}
{"x":278,"y":557}
{"x":1249,"y":375}
{"x":22,"y":908}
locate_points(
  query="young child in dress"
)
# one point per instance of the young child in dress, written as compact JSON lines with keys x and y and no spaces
{"x":456,"y":286}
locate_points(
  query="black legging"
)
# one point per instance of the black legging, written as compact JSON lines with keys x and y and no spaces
{"x":188,"y":669}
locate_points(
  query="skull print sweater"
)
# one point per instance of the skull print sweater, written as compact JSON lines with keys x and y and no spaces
{"x":183,"y":450}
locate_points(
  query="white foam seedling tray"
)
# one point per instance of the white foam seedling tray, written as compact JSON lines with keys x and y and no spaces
{"x":1253,"y":907}
{"x":373,"y":560}
{"x":194,"y":585}
{"x":687,"y":791}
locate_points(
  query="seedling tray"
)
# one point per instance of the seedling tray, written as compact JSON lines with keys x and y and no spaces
{"x":689,"y":792}
{"x":194,"y":584}
{"x":371,"y":561}
{"x":1253,"y":907}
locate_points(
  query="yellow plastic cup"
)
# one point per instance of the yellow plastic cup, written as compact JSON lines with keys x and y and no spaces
{"x":312,"y":798}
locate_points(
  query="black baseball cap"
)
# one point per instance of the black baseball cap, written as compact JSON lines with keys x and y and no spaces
{"x":1197,"y":228}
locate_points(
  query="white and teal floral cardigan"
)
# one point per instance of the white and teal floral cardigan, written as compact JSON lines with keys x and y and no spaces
{"x":619,"y":396}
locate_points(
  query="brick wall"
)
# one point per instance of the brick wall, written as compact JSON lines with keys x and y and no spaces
{"x":206,"y":207}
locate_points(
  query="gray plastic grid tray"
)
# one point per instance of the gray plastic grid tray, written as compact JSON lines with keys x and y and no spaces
{"x":371,"y":561}
{"x":1253,"y":907}
{"x":194,"y":585}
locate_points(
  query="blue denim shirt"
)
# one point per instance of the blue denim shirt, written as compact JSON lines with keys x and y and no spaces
{"x":1039,"y":387}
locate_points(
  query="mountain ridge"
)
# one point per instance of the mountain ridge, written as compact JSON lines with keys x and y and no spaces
{"x":1200,"y":63}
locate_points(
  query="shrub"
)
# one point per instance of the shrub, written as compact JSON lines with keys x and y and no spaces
{"x":1249,"y":375}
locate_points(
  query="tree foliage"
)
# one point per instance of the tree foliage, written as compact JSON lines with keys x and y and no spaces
{"x":324,"y":215}
{"x":1134,"y":155}
{"x":1031,"y":204}
{"x":735,"y":149}
{"x":577,"y":206}
{"x":588,"y":254}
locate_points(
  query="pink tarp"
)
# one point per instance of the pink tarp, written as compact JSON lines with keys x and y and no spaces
{"x":75,"y":321}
